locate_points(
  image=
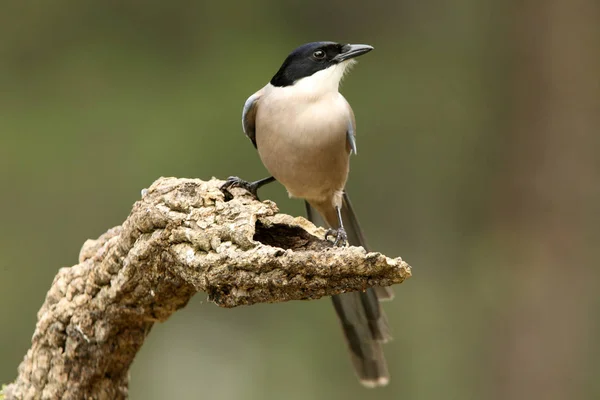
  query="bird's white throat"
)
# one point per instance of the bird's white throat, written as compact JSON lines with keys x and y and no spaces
{"x":323,"y":81}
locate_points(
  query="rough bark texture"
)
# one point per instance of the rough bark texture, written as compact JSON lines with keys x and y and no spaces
{"x":182,"y":237}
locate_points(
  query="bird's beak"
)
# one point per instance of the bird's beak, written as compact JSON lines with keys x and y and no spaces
{"x":351,"y":51}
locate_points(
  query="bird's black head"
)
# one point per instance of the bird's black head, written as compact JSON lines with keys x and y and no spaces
{"x":313,"y":57}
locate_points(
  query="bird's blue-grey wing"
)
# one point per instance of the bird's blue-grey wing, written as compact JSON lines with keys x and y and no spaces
{"x":351,"y":131}
{"x":351,"y":138}
{"x":249,"y":116}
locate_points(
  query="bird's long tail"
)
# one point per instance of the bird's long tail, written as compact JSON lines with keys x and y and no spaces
{"x":363,"y":321}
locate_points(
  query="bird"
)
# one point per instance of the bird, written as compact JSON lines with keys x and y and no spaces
{"x":305,"y":131}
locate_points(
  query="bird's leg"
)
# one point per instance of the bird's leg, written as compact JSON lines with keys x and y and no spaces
{"x":341,"y":239}
{"x":252,"y":187}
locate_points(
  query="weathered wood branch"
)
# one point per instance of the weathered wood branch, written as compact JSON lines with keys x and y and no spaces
{"x":182,"y":237}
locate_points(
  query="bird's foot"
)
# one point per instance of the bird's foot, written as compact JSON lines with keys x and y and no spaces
{"x":234,"y":181}
{"x":341,"y":239}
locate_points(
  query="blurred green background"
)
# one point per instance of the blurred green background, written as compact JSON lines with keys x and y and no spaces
{"x":478,"y":163}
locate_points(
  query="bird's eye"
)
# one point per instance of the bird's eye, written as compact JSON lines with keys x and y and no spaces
{"x":319,"y":54}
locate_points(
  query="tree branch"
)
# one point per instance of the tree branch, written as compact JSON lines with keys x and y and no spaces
{"x":182,"y":237}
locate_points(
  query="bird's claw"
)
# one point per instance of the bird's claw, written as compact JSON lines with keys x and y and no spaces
{"x":234,"y":181}
{"x":341,"y":239}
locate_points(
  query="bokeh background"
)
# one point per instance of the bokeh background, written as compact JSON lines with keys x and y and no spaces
{"x":478,"y":163}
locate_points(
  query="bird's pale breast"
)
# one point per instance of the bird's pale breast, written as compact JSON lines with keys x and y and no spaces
{"x":311,"y":133}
